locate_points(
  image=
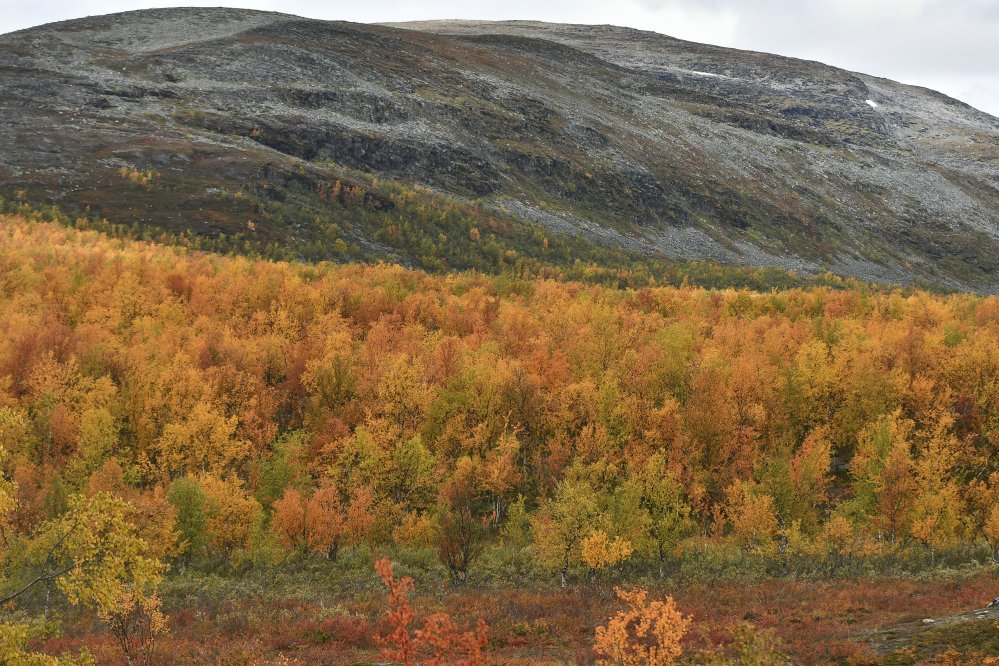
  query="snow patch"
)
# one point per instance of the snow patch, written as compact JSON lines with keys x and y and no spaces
{"x":695,"y":72}
{"x":873,"y":104}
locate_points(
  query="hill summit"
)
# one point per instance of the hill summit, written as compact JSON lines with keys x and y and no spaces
{"x":560,"y":142}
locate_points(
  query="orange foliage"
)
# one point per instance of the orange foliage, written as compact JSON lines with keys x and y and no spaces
{"x":288,"y":519}
{"x":646,"y":633}
{"x":410,"y":394}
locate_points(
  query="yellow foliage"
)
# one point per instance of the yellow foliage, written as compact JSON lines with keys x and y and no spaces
{"x":403,"y":393}
{"x":837,"y":535}
{"x":415,"y":531}
{"x":204,"y":441}
{"x":810,"y":478}
{"x":104,"y":554}
{"x":8,"y":492}
{"x":600,"y":551}
{"x":142,"y":178}
{"x":796,"y":542}
{"x":233,"y":516}
{"x":752,"y":516}
{"x":992,"y":527}
{"x":839,"y":539}
{"x":938,"y":507}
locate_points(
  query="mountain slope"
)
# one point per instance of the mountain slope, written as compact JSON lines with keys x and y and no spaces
{"x":336,"y":139}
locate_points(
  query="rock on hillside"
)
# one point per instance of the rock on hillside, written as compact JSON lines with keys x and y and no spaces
{"x":618,"y":137}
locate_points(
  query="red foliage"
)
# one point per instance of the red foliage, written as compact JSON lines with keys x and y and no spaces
{"x":439,"y":636}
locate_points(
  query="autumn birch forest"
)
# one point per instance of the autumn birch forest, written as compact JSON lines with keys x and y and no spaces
{"x":213,"y":458}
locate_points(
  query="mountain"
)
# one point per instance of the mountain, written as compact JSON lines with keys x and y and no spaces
{"x":468,"y":144}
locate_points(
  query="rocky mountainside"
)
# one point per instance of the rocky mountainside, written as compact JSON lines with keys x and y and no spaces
{"x":425,"y":142}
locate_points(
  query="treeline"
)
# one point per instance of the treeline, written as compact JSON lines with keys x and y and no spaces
{"x":326,"y":221}
{"x":249,"y":412}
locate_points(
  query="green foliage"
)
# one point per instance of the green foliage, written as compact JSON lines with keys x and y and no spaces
{"x":285,"y":467}
{"x":56,"y":498}
{"x":408,"y":478}
{"x":561,"y":523}
{"x":517,"y":524}
{"x":662,"y":498}
{"x":191,"y":503}
{"x":99,"y":437}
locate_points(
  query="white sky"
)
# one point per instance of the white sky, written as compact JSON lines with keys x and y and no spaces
{"x":948,"y":45}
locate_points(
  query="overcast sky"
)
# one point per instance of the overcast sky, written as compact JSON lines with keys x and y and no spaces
{"x":948,"y":45}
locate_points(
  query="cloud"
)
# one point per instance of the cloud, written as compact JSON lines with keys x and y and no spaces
{"x":950,"y":45}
